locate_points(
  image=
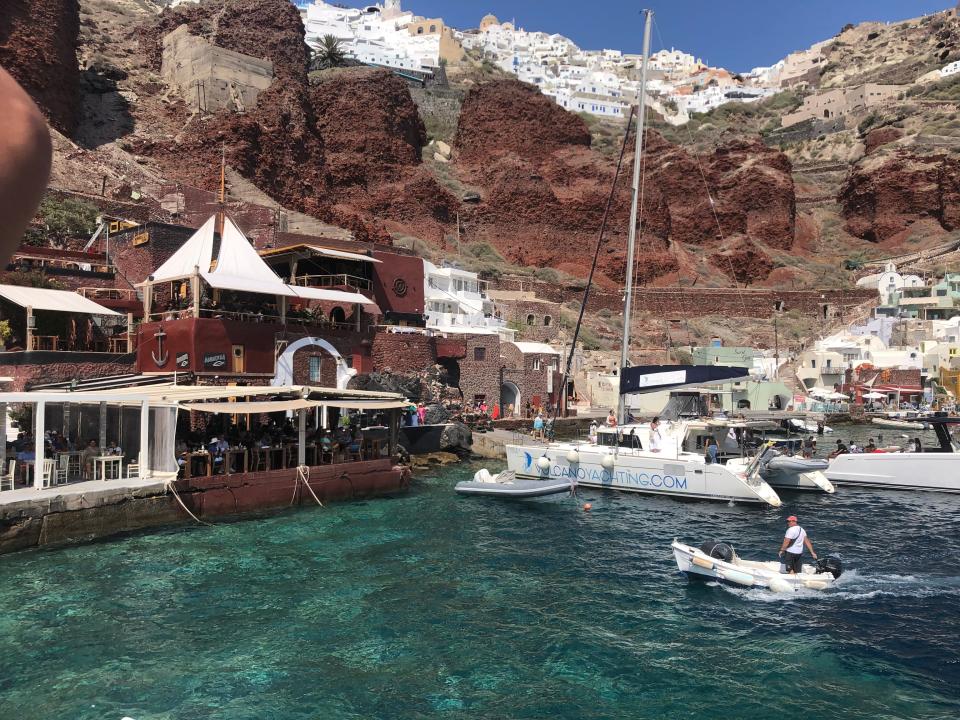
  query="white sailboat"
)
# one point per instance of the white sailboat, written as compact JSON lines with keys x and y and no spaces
{"x":630,"y":462}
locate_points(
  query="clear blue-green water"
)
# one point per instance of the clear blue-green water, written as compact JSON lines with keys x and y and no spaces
{"x":434,"y":606}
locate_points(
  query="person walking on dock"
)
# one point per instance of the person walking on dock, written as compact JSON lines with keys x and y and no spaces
{"x":791,"y":550}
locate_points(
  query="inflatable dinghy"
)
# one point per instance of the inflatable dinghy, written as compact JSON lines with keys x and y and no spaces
{"x":506,"y":485}
{"x":719,"y":562}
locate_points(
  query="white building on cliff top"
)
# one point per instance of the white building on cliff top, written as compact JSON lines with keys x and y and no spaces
{"x":383,"y":35}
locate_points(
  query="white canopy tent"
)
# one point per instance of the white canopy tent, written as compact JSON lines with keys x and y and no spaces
{"x":340,"y":296}
{"x":55,"y":300}
{"x":196,"y":252}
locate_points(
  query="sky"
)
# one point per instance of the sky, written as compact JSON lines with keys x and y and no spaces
{"x":734,"y":34}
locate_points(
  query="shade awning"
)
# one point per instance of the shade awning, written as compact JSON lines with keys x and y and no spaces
{"x":268,"y":406}
{"x":251,"y":407}
{"x":56,"y":300}
{"x":340,"y":296}
{"x":343,"y":254}
{"x":223,"y":281}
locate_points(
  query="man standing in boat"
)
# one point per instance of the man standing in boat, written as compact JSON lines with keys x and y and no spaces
{"x":792,"y":548}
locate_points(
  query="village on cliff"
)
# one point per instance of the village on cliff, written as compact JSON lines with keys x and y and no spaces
{"x":289,"y":245}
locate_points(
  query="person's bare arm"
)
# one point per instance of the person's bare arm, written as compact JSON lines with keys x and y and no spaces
{"x":786,"y":543}
{"x":25,"y":153}
{"x":806,"y":541}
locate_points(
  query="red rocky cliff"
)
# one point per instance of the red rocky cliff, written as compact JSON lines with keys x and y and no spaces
{"x":546,"y":192}
{"x":38,"y":46}
{"x":346,"y":149}
{"x":882,"y":197}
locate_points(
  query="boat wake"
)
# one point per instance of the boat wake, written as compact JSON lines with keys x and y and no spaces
{"x":855,"y":586}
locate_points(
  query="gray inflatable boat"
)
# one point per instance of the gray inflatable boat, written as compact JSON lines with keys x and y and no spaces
{"x":506,"y":485}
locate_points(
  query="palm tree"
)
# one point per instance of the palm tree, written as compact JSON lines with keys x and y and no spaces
{"x":328,"y":54}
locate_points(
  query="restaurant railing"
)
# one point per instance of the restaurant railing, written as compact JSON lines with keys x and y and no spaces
{"x":113,"y":344}
{"x":332,"y":281}
{"x":293,"y":318}
{"x":96,"y":293}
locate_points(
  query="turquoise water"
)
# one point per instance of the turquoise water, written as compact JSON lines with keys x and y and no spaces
{"x":434,"y":606}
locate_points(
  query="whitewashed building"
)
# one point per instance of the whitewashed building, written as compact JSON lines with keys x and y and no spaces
{"x":455,"y":301}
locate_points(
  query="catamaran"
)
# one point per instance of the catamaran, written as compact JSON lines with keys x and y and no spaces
{"x":633,"y":458}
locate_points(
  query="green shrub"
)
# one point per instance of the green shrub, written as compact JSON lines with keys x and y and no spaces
{"x":63,"y":218}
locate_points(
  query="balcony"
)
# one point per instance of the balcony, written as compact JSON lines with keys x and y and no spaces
{"x":329,"y":281}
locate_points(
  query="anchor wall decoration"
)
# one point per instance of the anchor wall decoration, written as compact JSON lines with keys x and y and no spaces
{"x":162,"y":358}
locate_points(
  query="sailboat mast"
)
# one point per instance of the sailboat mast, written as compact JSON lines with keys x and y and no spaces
{"x":634,"y":207}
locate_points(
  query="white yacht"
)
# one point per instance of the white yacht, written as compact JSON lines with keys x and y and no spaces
{"x":622,"y":460}
{"x":936,"y":469}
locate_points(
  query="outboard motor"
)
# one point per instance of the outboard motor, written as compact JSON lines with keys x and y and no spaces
{"x":831,"y":564}
{"x":718,"y":550}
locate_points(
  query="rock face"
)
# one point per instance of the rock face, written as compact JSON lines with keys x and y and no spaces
{"x":880,"y":136}
{"x":38,"y":46}
{"x":346,"y":149}
{"x":511,"y":116}
{"x":884,"y":197}
{"x":547,"y":190}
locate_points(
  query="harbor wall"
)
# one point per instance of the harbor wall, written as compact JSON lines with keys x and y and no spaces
{"x":56,"y":517}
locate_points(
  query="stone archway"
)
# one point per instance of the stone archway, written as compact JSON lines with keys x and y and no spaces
{"x":284,"y":372}
{"x":509,"y":395}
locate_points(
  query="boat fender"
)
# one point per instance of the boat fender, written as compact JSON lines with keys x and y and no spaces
{"x":701,"y":562}
{"x":779,"y":586}
{"x":814,"y":584}
{"x":543,"y":463}
{"x":738,"y":577}
{"x":573,"y":457}
{"x":607,"y":461}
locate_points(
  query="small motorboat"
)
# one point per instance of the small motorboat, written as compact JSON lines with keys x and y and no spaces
{"x":506,"y":485}
{"x":796,"y":473}
{"x":899,"y":424}
{"x":808,"y":426}
{"x":719,"y":562}
{"x":791,"y":472}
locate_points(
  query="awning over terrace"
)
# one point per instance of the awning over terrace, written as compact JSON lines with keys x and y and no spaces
{"x":56,"y":300}
{"x":339,"y":296}
{"x":327,"y":252}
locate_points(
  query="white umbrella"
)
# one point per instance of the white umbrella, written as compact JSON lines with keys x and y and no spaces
{"x":874,"y":396}
{"x":837,"y":396}
{"x":817,"y":391}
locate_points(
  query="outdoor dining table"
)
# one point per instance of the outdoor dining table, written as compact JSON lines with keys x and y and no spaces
{"x":229,"y":466}
{"x":101,"y":462}
{"x":190,"y":458}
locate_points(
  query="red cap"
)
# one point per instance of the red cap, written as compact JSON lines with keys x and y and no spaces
{"x":792,"y":518}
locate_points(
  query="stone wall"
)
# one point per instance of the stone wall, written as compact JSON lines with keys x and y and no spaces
{"x":534,"y":320}
{"x":529,"y":371}
{"x":138,"y":251}
{"x":27,"y":368}
{"x":680,"y":301}
{"x":480,"y":369}
{"x":211,"y":78}
{"x":402,"y":352}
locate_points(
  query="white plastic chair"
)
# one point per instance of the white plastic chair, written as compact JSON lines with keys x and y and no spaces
{"x":61,"y":473}
{"x":8,"y":478}
{"x":133,"y":470}
{"x":47,"y":478}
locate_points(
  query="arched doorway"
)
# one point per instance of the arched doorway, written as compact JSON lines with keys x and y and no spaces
{"x":509,"y":395}
{"x":284,"y":372}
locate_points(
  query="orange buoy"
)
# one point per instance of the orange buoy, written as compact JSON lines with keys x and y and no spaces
{"x":587,"y":506}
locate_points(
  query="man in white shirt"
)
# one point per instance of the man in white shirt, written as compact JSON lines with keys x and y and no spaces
{"x":793,"y":543}
{"x":656,"y":439}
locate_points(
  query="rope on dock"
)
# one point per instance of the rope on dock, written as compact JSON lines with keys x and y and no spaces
{"x":303,"y":476}
{"x":169,"y":486}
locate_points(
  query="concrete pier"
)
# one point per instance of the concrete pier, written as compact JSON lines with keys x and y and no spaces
{"x":85,"y":511}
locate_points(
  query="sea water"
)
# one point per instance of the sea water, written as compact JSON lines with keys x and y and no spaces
{"x":431,"y":605}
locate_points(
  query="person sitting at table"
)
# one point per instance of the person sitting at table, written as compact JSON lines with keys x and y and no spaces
{"x":90,"y":452}
{"x":113,"y":448}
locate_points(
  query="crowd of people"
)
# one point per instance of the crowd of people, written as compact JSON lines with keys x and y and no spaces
{"x":23,"y":450}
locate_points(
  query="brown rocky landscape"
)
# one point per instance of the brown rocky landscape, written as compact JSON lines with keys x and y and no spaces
{"x":348,"y":147}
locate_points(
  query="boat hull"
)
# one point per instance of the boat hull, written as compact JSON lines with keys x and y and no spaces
{"x":627,"y":470}
{"x":519,"y":489}
{"x":791,"y":473}
{"x":928,"y":471}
